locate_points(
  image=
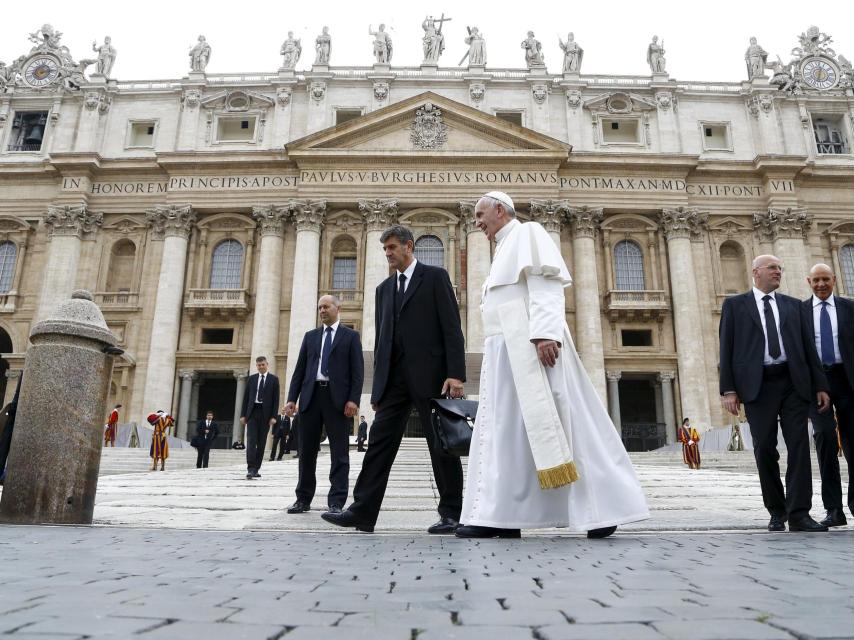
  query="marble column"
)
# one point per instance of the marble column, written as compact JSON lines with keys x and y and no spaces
{"x":550,"y":214}
{"x":183,"y":419}
{"x":585,"y":223}
{"x":236,"y":427}
{"x":614,"y":398}
{"x":680,"y":225}
{"x":271,"y":221}
{"x":308,"y":219}
{"x":67,"y":225}
{"x":665,"y":378}
{"x":379,"y":215}
{"x":478,"y":260}
{"x":787,"y":229}
{"x":171,"y":224}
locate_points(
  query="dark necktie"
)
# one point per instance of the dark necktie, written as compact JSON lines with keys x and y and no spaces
{"x":828,"y":356}
{"x":261,"y":389}
{"x":401,"y":290}
{"x":771,"y":329}
{"x":324,"y":354}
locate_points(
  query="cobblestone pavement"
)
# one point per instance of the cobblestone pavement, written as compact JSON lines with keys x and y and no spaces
{"x":99,"y":582}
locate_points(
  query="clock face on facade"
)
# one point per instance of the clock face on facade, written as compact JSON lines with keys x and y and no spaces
{"x":819,"y":73}
{"x":41,"y":71}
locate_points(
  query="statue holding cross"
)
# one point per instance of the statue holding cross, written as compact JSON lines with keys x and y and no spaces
{"x":434,"y":41}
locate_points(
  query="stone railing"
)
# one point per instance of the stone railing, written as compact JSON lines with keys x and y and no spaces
{"x":348,"y":297}
{"x":224,"y":302}
{"x":116,"y":299}
{"x":642,"y":305}
{"x":7,"y":301}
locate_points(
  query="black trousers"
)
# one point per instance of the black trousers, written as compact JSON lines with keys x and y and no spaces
{"x":5,"y":445}
{"x":318,"y":413}
{"x":826,"y":445}
{"x":279,"y":442}
{"x":777,"y":398}
{"x":202,"y":455}
{"x":360,"y":443}
{"x":257,"y":429}
{"x":383,"y":444}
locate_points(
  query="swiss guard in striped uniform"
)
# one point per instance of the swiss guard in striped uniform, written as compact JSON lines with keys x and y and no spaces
{"x":161,"y":421}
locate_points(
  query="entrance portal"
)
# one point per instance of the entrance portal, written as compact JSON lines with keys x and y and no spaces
{"x":642,"y":428}
{"x":217,"y":393}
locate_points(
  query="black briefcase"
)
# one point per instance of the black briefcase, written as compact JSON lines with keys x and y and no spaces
{"x":453,"y":422}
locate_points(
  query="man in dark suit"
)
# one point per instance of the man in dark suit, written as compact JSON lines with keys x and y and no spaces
{"x":260,"y":406}
{"x":8,"y":429}
{"x":206,"y":431}
{"x":362,"y":437}
{"x":328,"y":382}
{"x":831,"y":321}
{"x":419,"y":354}
{"x":769,"y":362}
{"x":281,"y":433}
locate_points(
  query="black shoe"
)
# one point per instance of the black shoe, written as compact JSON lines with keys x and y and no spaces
{"x":347,"y":519}
{"x":445,"y":526}
{"x":279,"y":459}
{"x":256,"y":474}
{"x":249,"y":475}
{"x":777,"y":523}
{"x":299,"y":507}
{"x":604,"y":532}
{"x":334,"y":509}
{"x":835,"y":518}
{"x":806,"y":524}
{"x":472,"y":531}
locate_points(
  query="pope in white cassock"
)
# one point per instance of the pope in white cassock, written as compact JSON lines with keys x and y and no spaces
{"x":544,"y":452}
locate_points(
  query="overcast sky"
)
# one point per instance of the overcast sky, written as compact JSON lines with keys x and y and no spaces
{"x":703,"y":40}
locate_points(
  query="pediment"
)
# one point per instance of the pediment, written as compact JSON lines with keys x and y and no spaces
{"x":729,"y":222}
{"x":619,"y":103}
{"x":426,"y":125}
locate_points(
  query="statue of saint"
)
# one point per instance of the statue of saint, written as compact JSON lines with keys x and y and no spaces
{"x":533,"y":51}
{"x":106,"y":56}
{"x":323,"y":47}
{"x":291,"y":50}
{"x":655,"y":56}
{"x":756,"y":58}
{"x":382,"y":45}
{"x":477,"y":48}
{"x":200,"y":55}
{"x":434,"y":41}
{"x":572,"y":54}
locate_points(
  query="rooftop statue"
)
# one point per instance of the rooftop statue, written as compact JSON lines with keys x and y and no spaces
{"x":434,"y":41}
{"x":572,"y":54}
{"x":291,"y":50}
{"x":757,"y":60}
{"x":655,"y":56}
{"x":200,"y":55}
{"x":477,"y":48}
{"x":106,"y":56}
{"x":323,"y":47}
{"x":533,"y":51}
{"x":382,"y":45}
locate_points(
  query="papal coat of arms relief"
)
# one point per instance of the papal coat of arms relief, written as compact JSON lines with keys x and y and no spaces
{"x":428,"y":131}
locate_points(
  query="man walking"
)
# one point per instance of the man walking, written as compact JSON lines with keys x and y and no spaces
{"x":260,"y":406}
{"x":831,"y":321}
{"x":328,"y":382}
{"x":419,"y":354}
{"x":768,"y":361}
{"x":281,"y":432}
{"x":362,"y":436}
{"x":206,"y":431}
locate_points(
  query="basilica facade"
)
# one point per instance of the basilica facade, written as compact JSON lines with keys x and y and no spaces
{"x":208,"y":213}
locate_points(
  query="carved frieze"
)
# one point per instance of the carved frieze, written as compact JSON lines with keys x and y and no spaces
{"x":683,"y":222}
{"x":573,"y":98}
{"x":192,"y":98}
{"x":72,"y":220}
{"x":317,"y":91}
{"x":271,"y":219}
{"x":585,"y":221}
{"x":171,"y":220}
{"x":283,"y":96}
{"x":540,"y":92}
{"x":789,"y":222}
{"x":467,"y":214}
{"x":477,"y":90}
{"x":307,"y":216}
{"x":429,"y":130}
{"x":549,"y":213}
{"x":380,"y":91}
{"x":379,"y":214}
{"x":664,"y":100}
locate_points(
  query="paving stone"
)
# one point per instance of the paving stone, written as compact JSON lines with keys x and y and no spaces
{"x":721,"y":630}
{"x":76,"y":622}
{"x":624,"y":631}
{"x":214,"y":631}
{"x":817,"y":627}
{"x":511,"y":618}
{"x":477,"y":633}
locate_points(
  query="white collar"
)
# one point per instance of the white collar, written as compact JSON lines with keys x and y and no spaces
{"x":409,"y":271}
{"x":334,"y":326}
{"x":816,"y":301}
{"x":758,"y":295}
{"x":504,"y":231}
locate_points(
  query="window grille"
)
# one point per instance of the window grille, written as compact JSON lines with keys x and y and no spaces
{"x":846,"y":258}
{"x":344,"y":273}
{"x":430,"y":251}
{"x":8,"y":253}
{"x":628,"y":262}
{"x":227,"y":265}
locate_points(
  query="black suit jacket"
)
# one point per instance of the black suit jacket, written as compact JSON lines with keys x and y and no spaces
{"x":431,"y":334}
{"x":212,"y":433}
{"x":282,"y":426}
{"x":743,"y":348}
{"x":269,"y":397}
{"x":363,"y":430}
{"x":346,"y":368}
{"x":845,"y":331}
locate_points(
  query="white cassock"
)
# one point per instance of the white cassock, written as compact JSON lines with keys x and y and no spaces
{"x":502,"y":488}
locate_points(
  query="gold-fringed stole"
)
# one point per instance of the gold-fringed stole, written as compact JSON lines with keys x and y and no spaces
{"x":559,"y":476}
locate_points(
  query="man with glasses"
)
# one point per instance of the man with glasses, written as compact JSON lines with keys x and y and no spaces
{"x":768,"y":361}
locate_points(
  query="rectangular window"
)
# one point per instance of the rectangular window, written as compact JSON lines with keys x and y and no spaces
{"x":28,"y":129}
{"x":240,"y":129}
{"x":345,"y":115}
{"x":637,"y":337}
{"x":344,"y":273}
{"x":830,"y":135}
{"x":620,"y":131}
{"x":510,"y":116}
{"x":716,"y":136}
{"x":217,"y":336}
{"x":141,"y":134}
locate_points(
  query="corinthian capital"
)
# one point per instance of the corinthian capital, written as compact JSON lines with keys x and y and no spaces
{"x":467,"y":213}
{"x":271,"y":219}
{"x":171,"y":220}
{"x":379,"y":214}
{"x":683,"y":222}
{"x":549,"y":213}
{"x":72,"y":220}
{"x":308,"y":216}
{"x":585,"y":221}
{"x":790,"y":222}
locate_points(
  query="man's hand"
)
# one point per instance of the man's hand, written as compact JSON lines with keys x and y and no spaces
{"x":453,"y":387}
{"x":823,"y":401}
{"x":548,"y":351}
{"x":374,"y":407}
{"x":273,"y":421}
{"x":243,"y":421}
{"x":290,"y":409}
{"x":350,"y":409}
{"x":731,"y":402}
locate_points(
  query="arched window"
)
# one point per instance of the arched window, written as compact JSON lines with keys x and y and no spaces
{"x":846,"y":259}
{"x":8,"y":253}
{"x":227,"y":265}
{"x":122,"y":258}
{"x":628,"y":262}
{"x":344,"y":263}
{"x":429,"y":250}
{"x":733,"y":268}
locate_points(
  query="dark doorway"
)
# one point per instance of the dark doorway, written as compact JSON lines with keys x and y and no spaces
{"x":217,"y":393}
{"x":640,"y":429}
{"x":5,"y":349}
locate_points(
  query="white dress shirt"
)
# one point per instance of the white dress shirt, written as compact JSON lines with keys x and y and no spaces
{"x":334,"y":327}
{"x":760,"y":305}
{"x":816,"y":320}
{"x":408,"y":273}
{"x":262,"y":379}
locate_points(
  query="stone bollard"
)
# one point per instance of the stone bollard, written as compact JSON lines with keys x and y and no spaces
{"x":52,"y":473}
